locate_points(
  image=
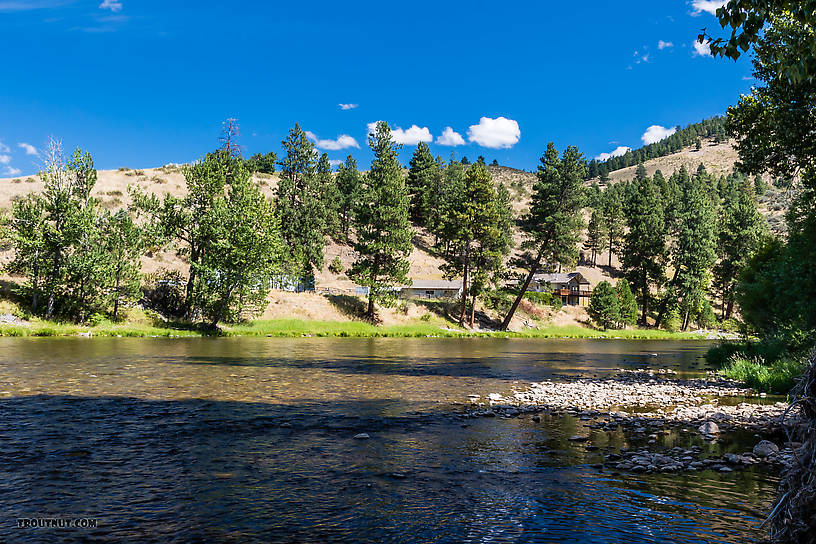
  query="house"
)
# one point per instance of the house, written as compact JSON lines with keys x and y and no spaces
{"x":573,"y":289}
{"x":432,"y":289}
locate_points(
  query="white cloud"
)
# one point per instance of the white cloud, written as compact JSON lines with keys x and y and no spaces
{"x":410,"y":136}
{"x":620,"y":150}
{"x":113,"y":5}
{"x":5,"y":159}
{"x":499,"y":133}
{"x":701,"y":49}
{"x":344,"y":141}
{"x":335,"y":162}
{"x":655,"y":133}
{"x":664,"y":45}
{"x":29,"y":149}
{"x":347,"y":106}
{"x":13,"y":171}
{"x":450,"y":137}
{"x":708,"y":6}
{"x":4,"y":148}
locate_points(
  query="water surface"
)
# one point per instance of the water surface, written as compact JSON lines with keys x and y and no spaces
{"x":251,"y":440}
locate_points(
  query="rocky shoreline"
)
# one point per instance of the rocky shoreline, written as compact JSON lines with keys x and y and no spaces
{"x":648,"y":404}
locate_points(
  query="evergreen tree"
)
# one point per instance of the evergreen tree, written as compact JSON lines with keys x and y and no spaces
{"x":552,"y":226}
{"x":348,"y":188}
{"x":244,"y":247}
{"x":329,"y":196}
{"x":759,"y":185}
{"x":603,"y":308}
{"x":627,"y":303}
{"x":644,"y":247}
{"x":640,"y":172}
{"x":262,"y":163}
{"x":421,"y":176}
{"x":613,"y":219}
{"x":381,"y":223}
{"x":693,"y":252}
{"x":471,"y":229}
{"x":299,"y":204}
{"x":740,"y":233}
{"x":596,"y":235}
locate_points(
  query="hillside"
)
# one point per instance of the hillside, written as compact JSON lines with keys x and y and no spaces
{"x":112,"y":189}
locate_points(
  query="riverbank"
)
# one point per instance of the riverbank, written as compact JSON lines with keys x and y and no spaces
{"x":291,"y":328}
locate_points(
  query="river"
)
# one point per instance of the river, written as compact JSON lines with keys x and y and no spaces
{"x":252,"y":440}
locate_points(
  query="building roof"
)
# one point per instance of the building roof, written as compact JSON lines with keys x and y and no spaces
{"x":434,"y":284}
{"x":561,"y":278}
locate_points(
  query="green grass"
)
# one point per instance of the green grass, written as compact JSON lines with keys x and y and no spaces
{"x":345,"y":329}
{"x":777,"y":377}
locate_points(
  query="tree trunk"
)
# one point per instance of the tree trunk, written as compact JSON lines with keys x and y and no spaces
{"x":116,"y":299}
{"x":645,"y":290}
{"x":533,"y":269}
{"x":35,"y":283}
{"x":664,"y":305}
{"x":472,"y":310}
{"x":610,"y":252}
{"x":465,"y":285}
{"x":188,"y":297}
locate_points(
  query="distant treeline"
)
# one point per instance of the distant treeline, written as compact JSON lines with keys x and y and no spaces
{"x":684,"y":137}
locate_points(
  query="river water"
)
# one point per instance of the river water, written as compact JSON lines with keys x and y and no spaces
{"x":251,"y":440}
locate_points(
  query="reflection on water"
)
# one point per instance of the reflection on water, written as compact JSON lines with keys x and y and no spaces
{"x":251,"y":440}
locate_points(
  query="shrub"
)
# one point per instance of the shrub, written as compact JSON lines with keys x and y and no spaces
{"x":778,"y":377}
{"x":164,"y":292}
{"x":425,"y":317}
{"x":336,"y":266}
{"x":539,"y":298}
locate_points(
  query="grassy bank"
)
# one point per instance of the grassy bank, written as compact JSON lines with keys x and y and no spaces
{"x":777,"y":377}
{"x":348,"y":329}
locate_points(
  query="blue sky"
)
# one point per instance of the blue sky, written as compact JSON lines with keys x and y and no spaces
{"x":148,"y":82}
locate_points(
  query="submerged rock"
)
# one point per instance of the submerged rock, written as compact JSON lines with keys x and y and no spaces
{"x":709,"y":427}
{"x":361,"y":436}
{"x":766,"y":448}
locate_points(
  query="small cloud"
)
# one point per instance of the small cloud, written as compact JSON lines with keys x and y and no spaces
{"x":410,"y":136}
{"x":655,"y":133}
{"x":28,"y":148}
{"x":347,"y":106}
{"x":13,"y":171}
{"x":335,"y":162}
{"x":664,"y":45}
{"x":344,"y":141}
{"x":5,"y":159}
{"x":621,"y":150}
{"x":450,"y":137}
{"x":499,"y":133}
{"x":708,"y":6}
{"x":701,"y":49}
{"x":113,"y":5}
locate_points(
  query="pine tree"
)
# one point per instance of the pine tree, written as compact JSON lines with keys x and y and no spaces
{"x":552,"y":226}
{"x":348,"y":188}
{"x":644,"y":247}
{"x":740,"y":232}
{"x":613,"y":218}
{"x":626,"y":303}
{"x":693,"y":252}
{"x":381,"y":223}
{"x":329,"y":195}
{"x":244,"y":246}
{"x":474,"y":234}
{"x":422,"y":173}
{"x":299,"y":205}
{"x":596,"y":234}
{"x":603,"y":308}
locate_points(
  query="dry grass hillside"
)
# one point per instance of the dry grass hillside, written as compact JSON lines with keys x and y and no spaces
{"x":113,"y":190}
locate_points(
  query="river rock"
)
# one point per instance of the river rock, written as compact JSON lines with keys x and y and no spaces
{"x":578,"y":438}
{"x":766,"y":448}
{"x":361,"y":436}
{"x":709,"y":427}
